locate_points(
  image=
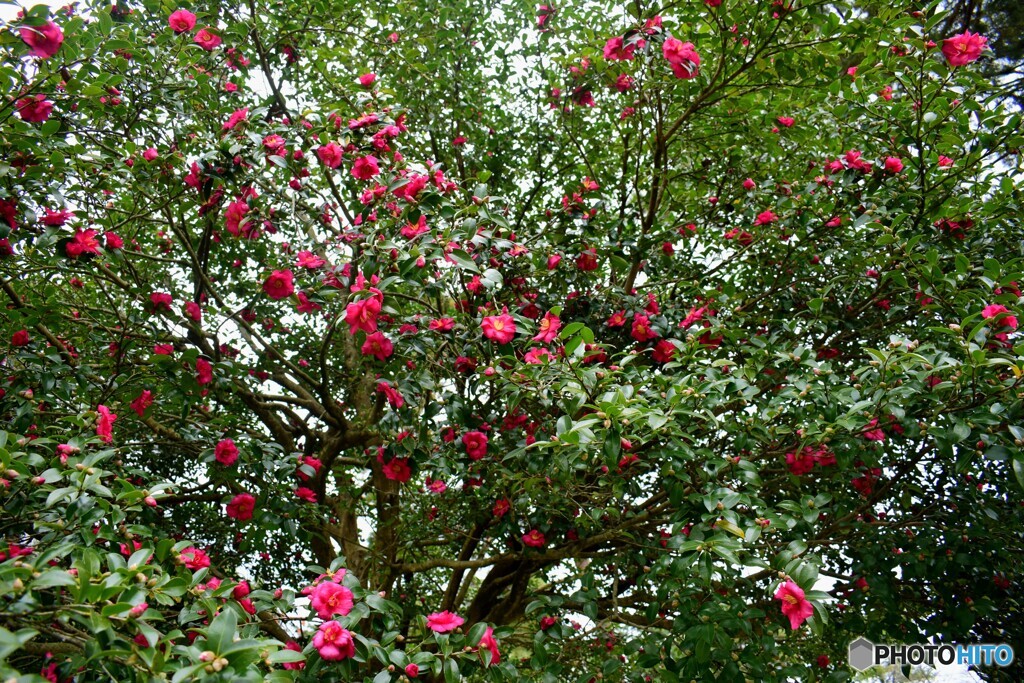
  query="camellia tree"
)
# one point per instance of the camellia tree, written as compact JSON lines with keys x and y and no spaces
{"x":594,"y":341}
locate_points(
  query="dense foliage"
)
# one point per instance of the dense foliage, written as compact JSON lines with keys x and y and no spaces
{"x":489,"y":340}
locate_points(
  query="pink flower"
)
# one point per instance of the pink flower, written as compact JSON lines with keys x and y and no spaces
{"x":308,"y":259}
{"x":487,"y":642}
{"x":893,"y":165}
{"x":34,"y":109}
{"x":553,"y":261}
{"x":105,"y":424}
{"x":499,"y":328}
{"x":334,"y":642}
{"x":378,"y":346}
{"x":959,"y":50}
{"x":993,"y":311}
{"x":43,"y":41}
{"x":236,"y":117}
{"x":305,"y":305}
{"x":443,"y":622}
{"x":362,"y":315}
{"x":476,"y":444}
{"x":614,"y":49}
{"x":534,"y":539}
{"x":330,"y":598}
{"x":442,"y":324}
{"x":241,"y":507}
{"x":682,"y":56}
{"x":872,"y":432}
{"x":786,"y":121}
{"x":537,"y":356}
{"x":279,"y":285}
{"x":368,"y":79}
{"x":329,"y":155}
{"x":204,"y":371}
{"x":794,"y":604}
{"x":194,"y":558}
{"x":142,"y":402}
{"x":225,"y":452}
{"x":548,"y":328}
{"x":181,"y":20}
{"x":365,"y":167}
{"x":293,"y":666}
{"x":207,"y":39}
{"x":412,"y":670}
{"x":394,"y":397}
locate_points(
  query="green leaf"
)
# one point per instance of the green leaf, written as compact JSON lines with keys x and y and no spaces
{"x":222,"y":630}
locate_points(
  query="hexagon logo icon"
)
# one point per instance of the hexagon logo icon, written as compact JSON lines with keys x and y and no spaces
{"x":861,"y":654}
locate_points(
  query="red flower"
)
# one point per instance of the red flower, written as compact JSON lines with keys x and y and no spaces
{"x":501,"y":507}
{"x":443,"y":622}
{"x":548,"y":328}
{"x":241,"y":507}
{"x":43,"y":41}
{"x":279,"y":285}
{"x":306,"y":494}
{"x":181,"y":21}
{"x":225,"y":452}
{"x":397,"y":469}
{"x":642,"y":331}
{"x":476,"y":444}
{"x":499,"y":328}
{"x":34,"y":109}
{"x":204,"y":371}
{"x":587,"y":260}
{"x":786,"y":121}
{"x":20,"y":338}
{"x":534,"y":539}
{"x":84,"y":242}
{"x":794,"y":604}
{"x":159,"y":301}
{"x":664,"y":351}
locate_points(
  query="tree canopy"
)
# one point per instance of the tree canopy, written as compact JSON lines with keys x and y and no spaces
{"x":618,"y":341}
